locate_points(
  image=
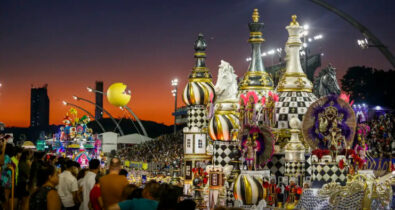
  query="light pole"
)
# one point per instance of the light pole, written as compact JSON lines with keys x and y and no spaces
{"x":86,"y":111}
{"x":127,"y":108}
{"x":174,"y":83}
{"x":306,"y":40}
{"x":364,"y":30}
{"x":101,"y":108}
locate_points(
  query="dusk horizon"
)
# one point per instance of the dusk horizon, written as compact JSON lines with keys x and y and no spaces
{"x":147,"y":44}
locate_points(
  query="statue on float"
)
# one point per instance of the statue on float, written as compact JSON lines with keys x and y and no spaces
{"x":326,"y":83}
{"x":226,"y":86}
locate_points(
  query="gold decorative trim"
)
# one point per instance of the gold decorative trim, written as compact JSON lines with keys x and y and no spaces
{"x":199,"y":68}
{"x":256,"y":33}
{"x":225,"y":112}
{"x":255,"y":15}
{"x":200,"y":80}
{"x":256,"y":73}
{"x":256,"y":40}
{"x":293,"y":43}
{"x":246,"y":87}
{"x":295,"y":90}
{"x":294,"y":22}
{"x":197,"y":157}
{"x":199,"y":54}
{"x":294,"y":74}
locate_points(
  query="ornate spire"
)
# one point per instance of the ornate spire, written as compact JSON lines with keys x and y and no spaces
{"x":200,"y":86}
{"x":256,"y":76}
{"x":294,"y":79}
{"x":255,"y":16}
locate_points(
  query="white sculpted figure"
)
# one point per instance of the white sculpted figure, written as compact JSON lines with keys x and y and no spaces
{"x":226,"y":86}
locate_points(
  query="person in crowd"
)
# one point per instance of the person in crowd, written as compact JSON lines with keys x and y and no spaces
{"x":6,"y":174}
{"x":123,"y":172}
{"x":113,"y":184}
{"x":15,"y":163}
{"x":89,"y":182}
{"x":68,"y":187}
{"x":23,"y":179}
{"x":80,"y":177}
{"x":38,"y":160}
{"x":149,"y":201}
{"x":128,"y":192}
{"x":95,"y":199}
{"x":46,"y":197}
{"x":187,"y":204}
{"x":137,"y":193}
{"x":169,"y":197}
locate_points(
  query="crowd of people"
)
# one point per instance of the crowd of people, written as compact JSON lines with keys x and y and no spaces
{"x":165,"y":150}
{"x":380,"y":138}
{"x":54,"y":183}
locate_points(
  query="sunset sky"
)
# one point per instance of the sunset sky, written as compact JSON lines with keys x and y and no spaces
{"x":145,"y":44}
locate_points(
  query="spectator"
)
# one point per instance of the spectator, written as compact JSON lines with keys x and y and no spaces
{"x":187,"y":204}
{"x":23,"y":179}
{"x":68,"y":187}
{"x":128,"y":192}
{"x":169,"y":196}
{"x":6,"y":173}
{"x":148,"y":202}
{"x":38,"y":160}
{"x":89,"y":182}
{"x":46,"y":197}
{"x":96,"y":201}
{"x":123,"y":172}
{"x":113,"y":184}
{"x":80,"y":178}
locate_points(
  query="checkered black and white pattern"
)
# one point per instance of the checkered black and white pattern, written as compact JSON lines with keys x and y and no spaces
{"x":307,"y":165}
{"x":276,"y":165}
{"x":292,"y":104}
{"x":197,"y":116}
{"x":222,"y":154}
{"x":327,"y":172}
{"x":230,"y":198}
{"x":311,"y":201}
{"x":294,"y":168}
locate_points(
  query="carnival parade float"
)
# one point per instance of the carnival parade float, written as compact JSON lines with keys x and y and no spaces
{"x":252,"y":145}
{"x":75,"y":139}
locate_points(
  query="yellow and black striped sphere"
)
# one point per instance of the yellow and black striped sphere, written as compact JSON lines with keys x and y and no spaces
{"x":198,"y":93}
{"x":248,"y":189}
{"x":221,"y":126}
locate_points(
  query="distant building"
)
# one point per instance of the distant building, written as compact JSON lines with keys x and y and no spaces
{"x":39,"y":107}
{"x":99,"y":100}
{"x":181,"y":115}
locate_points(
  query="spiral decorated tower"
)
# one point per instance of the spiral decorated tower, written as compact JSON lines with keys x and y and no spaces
{"x":256,"y":78}
{"x":294,"y":88}
{"x":197,"y":94}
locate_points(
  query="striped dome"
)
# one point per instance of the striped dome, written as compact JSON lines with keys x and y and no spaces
{"x":248,"y":189}
{"x":198,"y":93}
{"x":221,"y":125}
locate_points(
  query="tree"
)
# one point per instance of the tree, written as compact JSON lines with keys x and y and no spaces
{"x":368,"y":85}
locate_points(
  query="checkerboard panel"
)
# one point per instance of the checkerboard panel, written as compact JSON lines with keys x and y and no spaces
{"x":292,"y":104}
{"x":294,"y":168}
{"x":328,"y":172}
{"x":197,"y":117}
{"x":276,"y":165}
{"x":222,"y":154}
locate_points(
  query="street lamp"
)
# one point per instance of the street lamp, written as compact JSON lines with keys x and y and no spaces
{"x":86,"y":111}
{"x":174,"y":83}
